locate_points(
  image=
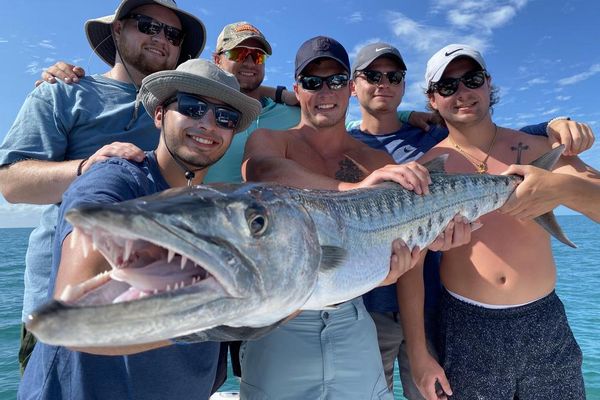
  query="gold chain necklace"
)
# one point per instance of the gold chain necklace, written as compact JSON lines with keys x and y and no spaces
{"x":480,"y":165}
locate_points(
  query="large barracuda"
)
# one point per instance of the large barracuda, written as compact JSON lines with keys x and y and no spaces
{"x":224,"y":262}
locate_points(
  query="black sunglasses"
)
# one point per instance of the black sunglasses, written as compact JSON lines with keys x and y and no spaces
{"x":448,"y":86}
{"x":313,"y":83}
{"x":196,"y":107}
{"x":150,"y":26}
{"x":375,"y":77}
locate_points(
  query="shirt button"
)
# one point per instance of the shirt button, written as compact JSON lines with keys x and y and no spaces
{"x":325,"y":315}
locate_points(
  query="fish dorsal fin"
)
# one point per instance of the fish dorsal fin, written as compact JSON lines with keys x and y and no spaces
{"x":332,"y":257}
{"x":548,"y":160}
{"x":436,"y":164}
{"x":549,"y":223}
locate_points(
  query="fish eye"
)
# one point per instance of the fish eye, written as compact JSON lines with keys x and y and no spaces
{"x":257,"y":222}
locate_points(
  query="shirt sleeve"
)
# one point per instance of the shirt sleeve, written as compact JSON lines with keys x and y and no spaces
{"x":538,"y":129}
{"x":39,"y":130}
{"x":111,"y":181}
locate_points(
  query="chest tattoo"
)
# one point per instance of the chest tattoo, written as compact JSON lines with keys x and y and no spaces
{"x":349,"y":172}
{"x":519,"y":149}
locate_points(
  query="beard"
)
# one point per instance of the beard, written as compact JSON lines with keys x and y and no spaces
{"x":132,"y":54}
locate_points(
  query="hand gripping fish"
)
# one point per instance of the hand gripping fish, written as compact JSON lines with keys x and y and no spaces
{"x":226,"y":262}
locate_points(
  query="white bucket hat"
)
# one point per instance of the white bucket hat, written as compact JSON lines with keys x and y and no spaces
{"x":99,"y":30}
{"x":202,"y":78}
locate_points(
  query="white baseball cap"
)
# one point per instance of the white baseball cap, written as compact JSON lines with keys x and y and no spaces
{"x":439,"y":61}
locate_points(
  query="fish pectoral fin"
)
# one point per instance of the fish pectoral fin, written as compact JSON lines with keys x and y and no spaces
{"x":549,"y":223}
{"x":547,"y":161}
{"x":436,"y":164}
{"x":332,"y":257}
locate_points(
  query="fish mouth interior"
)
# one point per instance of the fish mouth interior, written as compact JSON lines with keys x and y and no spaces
{"x":140,"y":269}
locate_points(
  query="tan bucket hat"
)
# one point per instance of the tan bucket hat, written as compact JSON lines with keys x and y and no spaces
{"x":99,"y":32}
{"x":202,"y":78}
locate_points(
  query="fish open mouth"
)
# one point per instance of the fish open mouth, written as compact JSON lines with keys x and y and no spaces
{"x":140,"y":268}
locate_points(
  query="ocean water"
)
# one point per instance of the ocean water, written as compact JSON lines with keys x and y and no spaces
{"x":578,"y":286}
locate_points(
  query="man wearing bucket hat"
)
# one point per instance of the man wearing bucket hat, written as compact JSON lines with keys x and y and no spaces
{"x":503,"y":330}
{"x":198,"y":108}
{"x":62,"y":130}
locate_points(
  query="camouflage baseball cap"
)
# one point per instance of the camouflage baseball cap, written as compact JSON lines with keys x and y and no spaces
{"x":234,"y":34}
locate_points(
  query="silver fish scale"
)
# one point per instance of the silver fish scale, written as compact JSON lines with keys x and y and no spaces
{"x":364,"y":222}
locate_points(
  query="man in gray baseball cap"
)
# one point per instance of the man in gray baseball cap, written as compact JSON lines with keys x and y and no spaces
{"x":198,"y":108}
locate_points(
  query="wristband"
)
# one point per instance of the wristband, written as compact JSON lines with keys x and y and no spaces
{"x":553,"y":120}
{"x":278,"y":93}
{"x":80,"y":166}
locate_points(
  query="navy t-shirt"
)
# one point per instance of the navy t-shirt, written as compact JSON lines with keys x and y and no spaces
{"x":173,"y":372}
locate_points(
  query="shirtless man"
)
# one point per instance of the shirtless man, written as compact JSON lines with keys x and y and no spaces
{"x":504,"y":333}
{"x":332,"y":352}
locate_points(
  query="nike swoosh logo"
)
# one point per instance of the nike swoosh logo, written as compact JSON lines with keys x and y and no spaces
{"x":381,"y":48}
{"x":408,"y":148}
{"x":452,"y":52}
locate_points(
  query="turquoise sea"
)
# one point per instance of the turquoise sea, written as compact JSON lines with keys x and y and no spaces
{"x":578,"y":286}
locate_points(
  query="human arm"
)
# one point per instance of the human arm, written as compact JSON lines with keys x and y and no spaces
{"x":265,"y":159}
{"x":576,"y":136}
{"x":573,"y":184}
{"x":401,"y":261}
{"x":44,"y":182}
{"x":63,"y":71}
{"x":288,"y":97}
{"x":425,"y":370}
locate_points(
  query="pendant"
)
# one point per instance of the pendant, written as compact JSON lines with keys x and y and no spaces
{"x":481,"y":168}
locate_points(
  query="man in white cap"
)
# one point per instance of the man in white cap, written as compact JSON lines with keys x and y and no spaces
{"x":198,"y":109}
{"x":379,"y":81}
{"x":504,"y":332}
{"x":62,"y":130}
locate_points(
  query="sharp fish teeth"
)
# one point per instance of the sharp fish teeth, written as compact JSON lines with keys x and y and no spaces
{"x":170,"y":255}
{"x":168,"y":288}
{"x":128,"y":247}
{"x":176,"y":286}
{"x":94,"y":240}
{"x":183,"y":261}
{"x":84,"y":246}
{"x":74,"y":237}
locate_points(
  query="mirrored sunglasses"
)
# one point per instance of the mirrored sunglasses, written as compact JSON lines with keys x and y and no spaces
{"x":314,"y":83}
{"x":448,"y":86}
{"x":196,"y":107}
{"x":150,"y":26}
{"x":375,"y":77}
{"x":240,"y":53}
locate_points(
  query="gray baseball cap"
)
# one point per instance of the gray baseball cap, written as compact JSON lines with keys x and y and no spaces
{"x":439,"y":61}
{"x":373,"y":51}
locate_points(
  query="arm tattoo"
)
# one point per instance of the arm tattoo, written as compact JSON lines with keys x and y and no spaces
{"x":519,"y":149}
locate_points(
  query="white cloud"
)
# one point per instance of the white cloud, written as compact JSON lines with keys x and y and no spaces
{"x":552,"y":111}
{"x":356,"y":17}
{"x":593,"y":70}
{"x":2,"y":40}
{"x":563,"y":98}
{"x":352,"y":53}
{"x":34,"y":68}
{"x":46,"y":44}
{"x":19,"y":215}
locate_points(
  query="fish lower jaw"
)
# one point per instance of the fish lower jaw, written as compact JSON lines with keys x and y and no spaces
{"x":146,"y":269}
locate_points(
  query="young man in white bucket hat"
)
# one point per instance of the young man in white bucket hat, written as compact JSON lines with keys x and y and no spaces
{"x":198,"y":109}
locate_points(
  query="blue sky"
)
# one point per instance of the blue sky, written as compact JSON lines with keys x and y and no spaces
{"x":543,"y":54}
